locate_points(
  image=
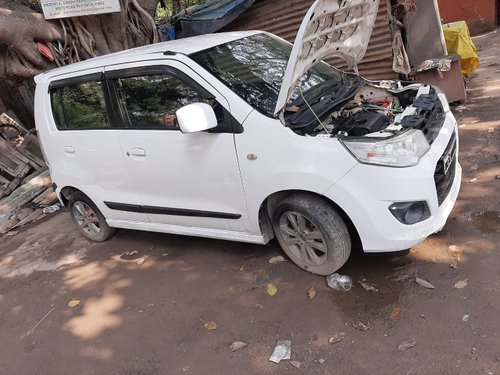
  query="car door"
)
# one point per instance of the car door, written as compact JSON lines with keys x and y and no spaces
{"x":86,"y":149}
{"x":189,"y":180}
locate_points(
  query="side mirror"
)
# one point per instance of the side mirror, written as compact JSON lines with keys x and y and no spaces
{"x":196,"y":117}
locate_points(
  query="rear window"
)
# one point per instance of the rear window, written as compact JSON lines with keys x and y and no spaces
{"x":80,"y":106}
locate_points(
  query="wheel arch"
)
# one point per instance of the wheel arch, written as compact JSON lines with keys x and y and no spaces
{"x":66,"y":192}
{"x":268,"y":205}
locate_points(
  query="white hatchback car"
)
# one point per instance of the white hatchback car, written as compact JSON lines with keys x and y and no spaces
{"x":242,"y":136}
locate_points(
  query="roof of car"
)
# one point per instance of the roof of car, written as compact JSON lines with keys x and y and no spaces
{"x":185,"y":46}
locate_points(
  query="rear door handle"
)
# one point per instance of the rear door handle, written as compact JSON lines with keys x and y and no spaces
{"x":137,"y":151}
{"x":69,"y":149}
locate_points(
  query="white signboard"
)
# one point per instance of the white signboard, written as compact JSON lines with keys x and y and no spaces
{"x":76,"y":8}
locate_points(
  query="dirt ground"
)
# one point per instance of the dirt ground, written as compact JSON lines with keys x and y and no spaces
{"x":147,"y":317}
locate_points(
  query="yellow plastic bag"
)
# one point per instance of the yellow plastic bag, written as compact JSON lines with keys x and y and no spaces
{"x":458,"y":40}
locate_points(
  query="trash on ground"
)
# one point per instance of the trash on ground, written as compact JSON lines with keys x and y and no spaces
{"x":283,"y":350}
{"x":455,"y":251}
{"x":321,"y":361}
{"x":277,"y":259}
{"x":130,"y":253}
{"x":237,"y":345}
{"x":140,"y":261}
{"x":461,"y":284}
{"x":51,"y":209}
{"x":295,"y":364}
{"x":74,"y":302}
{"x":361,"y":326}
{"x":473,"y":179}
{"x":337,"y":338}
{"x":395,"y":313}
{"x":405,"y":345}
{"x":311,"y":292}
{"x":454,"y":264}
{"x":339,"y":282}
{"x":210,"y":325}
{"x":424,"y":283}
{"x":30,"y":332}
{"x":368,"y":286}
{"x":466,"y":317}
{"x":271,"y":289}
{"x":491,"y":130}
{"x":164,"y":254}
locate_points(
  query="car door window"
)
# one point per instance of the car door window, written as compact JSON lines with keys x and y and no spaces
{"x":150,"y":101}
{"x":80,"y":106}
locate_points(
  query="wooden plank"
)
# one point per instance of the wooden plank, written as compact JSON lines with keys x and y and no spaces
{"x":24,"y":193}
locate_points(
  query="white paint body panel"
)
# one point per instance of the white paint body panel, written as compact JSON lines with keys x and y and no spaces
{"x":213,"y":171}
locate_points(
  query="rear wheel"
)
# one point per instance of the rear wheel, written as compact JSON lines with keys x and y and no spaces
{"x":88,"y":219}
{"x":312,"y":233}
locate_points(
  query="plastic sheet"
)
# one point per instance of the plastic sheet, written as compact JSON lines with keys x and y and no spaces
{"x":458,"y":40}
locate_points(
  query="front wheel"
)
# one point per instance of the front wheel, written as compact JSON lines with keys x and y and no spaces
{"x":88,"y":219}
{"x":312,"y":233}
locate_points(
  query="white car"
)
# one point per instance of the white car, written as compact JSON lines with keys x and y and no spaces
{"x":242,"y":136}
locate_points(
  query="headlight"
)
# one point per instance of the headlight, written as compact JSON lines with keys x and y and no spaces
{"x":404,"y":150}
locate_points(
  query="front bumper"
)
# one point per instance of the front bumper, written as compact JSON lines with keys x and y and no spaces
{"x":367,"y":191}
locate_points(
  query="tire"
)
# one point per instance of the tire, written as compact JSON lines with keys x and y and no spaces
{"x":89,"y":221}
{"x":311,"y":233}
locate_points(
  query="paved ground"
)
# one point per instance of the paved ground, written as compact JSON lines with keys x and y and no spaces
{"x":149,"y":318}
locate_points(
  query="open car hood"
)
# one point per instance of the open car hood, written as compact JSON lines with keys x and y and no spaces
{"x":331,"y":28}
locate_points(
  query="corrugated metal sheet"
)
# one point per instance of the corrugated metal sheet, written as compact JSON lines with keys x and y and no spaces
{"x":283,"y":18}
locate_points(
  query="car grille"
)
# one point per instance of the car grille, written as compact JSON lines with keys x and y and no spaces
{"x":446,"y":169}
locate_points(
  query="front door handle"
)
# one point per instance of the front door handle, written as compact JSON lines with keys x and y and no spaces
{"x":69,"y":149}
{"x":137,"y":151}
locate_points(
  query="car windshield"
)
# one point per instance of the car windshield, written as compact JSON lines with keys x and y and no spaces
{"x":253,"y":67}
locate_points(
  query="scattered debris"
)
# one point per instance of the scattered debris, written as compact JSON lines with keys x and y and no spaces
{"x":474,"y":167}
{"x":237,"y":345}
{"x":295,"y":364}
{"x":271,"y":289}
{"x":339,"y":282}
{"x":51,"y":209}
{"x":424,"y":283}
{"x":395,"y":313}
{"x":30,"y":332}
{"x":454,"y":264}
{"x":461,"y":284}
{"x":455,"y":251}
{"x":321,"y":361}
{"x":405,"y":345}
{"x":367,"y":286}
{"x":210,"y":325}
{"x":311,"y":292}
{"x":164,"y":254}
{"x":130,"y":253}
{"x":140,"y":261}
{"x":337,"y":338}
{"x":491,"y":130}
{"x":473,"y":179}
{"x":242,"y":267}
{"x":465,"y":317}
{"x":74,"y":302}
{"x":277,"y":259}
{"x":282,"y":351}
{"x":361,"y":326}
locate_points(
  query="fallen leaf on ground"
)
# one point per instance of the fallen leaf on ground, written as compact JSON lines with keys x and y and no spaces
{"x":242,"y":267}
{"x":277,"y":259}
{"x":361,"y":326}
{"x":406,"y":345}
{"x":466,"y":317}
{"x":473,"y":179}
{"x":141,"y":261}
{"x":461,"y":284}
{"x":337,"y":338}
{"x":295,"y":364}
{"x":210,"y":325}
{"x":395,"y":313}
{"x":424,"y":283}
{"x":367,"y":286}
{"x":74,"y":302}
{"x":311,"y":292}
{"x":271,"y":289}
{"x":237,"y":345}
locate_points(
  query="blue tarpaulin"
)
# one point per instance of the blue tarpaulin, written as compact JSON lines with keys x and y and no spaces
{"x":208,"y":17}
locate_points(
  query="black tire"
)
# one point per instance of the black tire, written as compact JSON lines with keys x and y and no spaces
{"x":322,"y":256}
{"x":89,"y":221}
